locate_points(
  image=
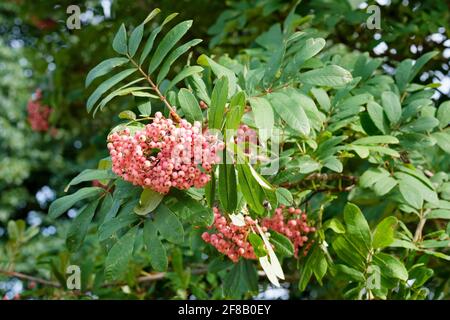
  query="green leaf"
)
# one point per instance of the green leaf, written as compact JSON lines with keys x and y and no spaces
{"x":148,"y":202}
{"x":151,"y":39}
{"x":120,"y":40}
{"x":383,"y":235}
{"x":189,"y":105}
{"x":105,"y":208}
{"x":333,"y":163}
{"x":403,"y":74}
{"x":227,"y":187}
{"x":390,"y":266}
{"x":145,"y":109}
{"x":349,"y":273}
{"x":127,"y":114}
{"x":284,"y":196}
{"x":124,"y":90}
{"x":173,"y":57}
{"x":273,"y":65}
{"x":220,"y":71}
{"x":167,"y":43}
{"x":418,"y":174}
{"x":357,"y":227}
{"x":241,"y":279}
{"x":199,"y":87}
{"x":331,"y":76}
{"x":210,"y":191}
{"x":427,"y":193}
{"x":442,"y":140}
{"x":376,"y":140}
{"x":13,"y":230}
{"x":103,"y":68}
{"x":411,"y":194}
{"x":420,"y":63}
{"x":79,"y":226}
{"x":439,"y":214}
{"x":135,"y":40}
{"x":443,"y":114}
{"x":310,"y":48}
{"x":190,"y":209}
{"x":422,"y":124}
{"x":116,"y":263}
{"x":186,"y":72}
{"x":237,"y":109}
{"x":322,"y":98}
{"x":282,"y":244}
{"x":347,"y":252}
{"x":216,"y":110}
{"x":154,"y":247}
{"x":252,"y":192}
{"x":377,"y":116}
{"x":384,"y":185}
{"x":257,"y":244}
{"x":372,"y":176}
{"x":61,"y":205}
{"x":168,"y":225}
{"x":292,"y":113}
{"x":263,"y":115}
{"x":392,"y":107}
{"x":335,"y":225}
{"x":151,"y":15}
{"x":109,"y":227}
{"x":90,"y":175}
{"x":105,"y":86}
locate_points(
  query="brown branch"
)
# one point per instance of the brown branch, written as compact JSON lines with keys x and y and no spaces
{"x":155,"y":88}
{"x":324,"y":177}
{"x":30,"y":278}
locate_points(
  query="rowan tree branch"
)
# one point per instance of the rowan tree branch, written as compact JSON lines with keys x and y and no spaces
{"x":30,"y":278}
{"x":155,"y":88}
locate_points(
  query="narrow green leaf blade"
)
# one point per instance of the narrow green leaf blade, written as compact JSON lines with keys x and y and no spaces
{"x":79,"y":226}
{"x":61,"y":205}
{"x":103,"y":68}
{"x":167,"y":43}
{"x":190,"y":106}
{"x":120,"y":40}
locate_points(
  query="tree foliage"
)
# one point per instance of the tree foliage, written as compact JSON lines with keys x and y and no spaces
{"x":361,"y":150}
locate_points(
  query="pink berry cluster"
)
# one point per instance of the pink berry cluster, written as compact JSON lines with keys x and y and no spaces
{"x":292,"y":223}
{"x":164,"y":154}
{"x":230,"y":239}
{"x":38,"y":114}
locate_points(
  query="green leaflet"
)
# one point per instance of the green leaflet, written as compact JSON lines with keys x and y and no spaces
{"x":148,"y":202}
{"x":218,"y":100}
{"x":190,"y":106}
{"x":105,"y":86}
{"x":103,"y":68}
{"x":89,"y":175}
{"x":331,"y":76}
{"x":61,"y":205}
{"x":120,"y":40}
{"x":167,"y":43}
{"x":227,"y":187}
{"x":168,"y":225}
{"x":119,"y":256}
{"x":155,"y":249}
{"x":79,"y":227}
{"x":174,"y":55}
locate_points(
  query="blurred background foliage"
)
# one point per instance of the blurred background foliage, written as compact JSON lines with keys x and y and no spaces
{"x":38,"y":51}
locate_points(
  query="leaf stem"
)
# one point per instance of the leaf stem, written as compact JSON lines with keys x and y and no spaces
{"x":155,"y":88}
